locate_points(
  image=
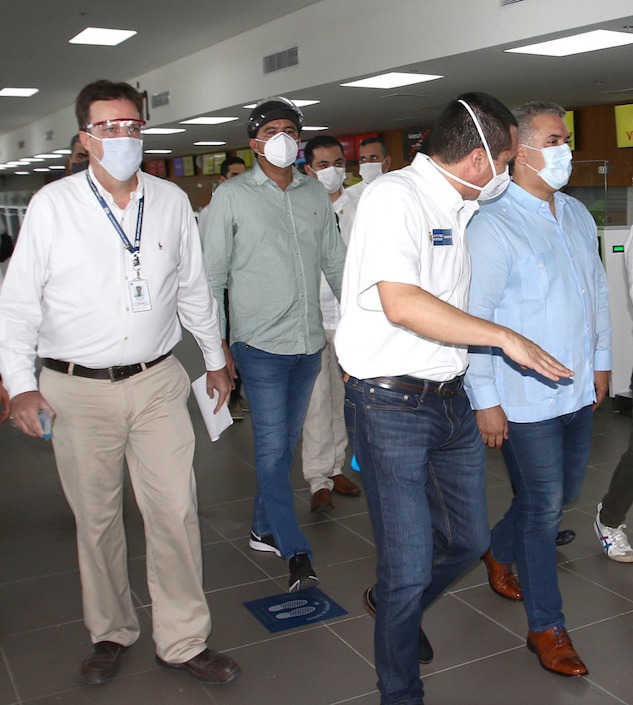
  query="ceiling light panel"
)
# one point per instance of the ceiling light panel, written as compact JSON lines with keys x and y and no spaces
{"x":163,"y":130}
{"x":99,"y":36}
{"x":576,"y":44}
{"x":18,"y":92}
{"x":394,"y":79}
{"x":298,"y":102}
{"x":207,"y":120}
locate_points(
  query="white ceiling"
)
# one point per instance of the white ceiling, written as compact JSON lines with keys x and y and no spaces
{"x":34,"y":52}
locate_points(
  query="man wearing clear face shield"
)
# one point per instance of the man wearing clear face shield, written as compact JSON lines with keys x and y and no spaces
{"x":107,"y":266}
{"x":536,"y":268}
{"x":269,"y":235}
{"x":373,"y":161}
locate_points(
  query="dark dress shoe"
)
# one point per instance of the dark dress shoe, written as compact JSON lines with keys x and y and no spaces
{"x":425,"y":650}
{"x":208,"y":666}
{"x":565,"y":536}
{"x":345,"y":487}
{"x":321,"y":501}
{"x":102,"y":662}
{"x":502,"y":580}
{"x":555,"y":652}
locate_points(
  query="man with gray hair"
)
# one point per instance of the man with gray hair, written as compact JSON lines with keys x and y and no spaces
{"x":536,"y":269}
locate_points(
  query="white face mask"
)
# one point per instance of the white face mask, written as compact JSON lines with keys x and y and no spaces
{"x":370,"y":171}
{"x":280,"y":150}
{"x":557,"y":169}
{"x":122,"y":156}
{"x":332,"y":178}
{"x":499,"y":182}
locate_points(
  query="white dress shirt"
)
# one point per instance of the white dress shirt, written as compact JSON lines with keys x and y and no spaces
{"x":393,"y":240}
{"x":66,"y":293}
{"x":330,"y":308}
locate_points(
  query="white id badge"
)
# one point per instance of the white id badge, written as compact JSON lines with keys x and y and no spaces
{"x":139,"y":295}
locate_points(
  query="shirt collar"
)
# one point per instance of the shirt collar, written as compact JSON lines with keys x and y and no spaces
{"x":443,"y":191}
{"x":107,"y":196}
{"x":260,"y":177}
{"x":531,"y":203}
{"x":341,"y":201}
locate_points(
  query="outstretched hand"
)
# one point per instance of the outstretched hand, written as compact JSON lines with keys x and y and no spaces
{"x":532,"y":357}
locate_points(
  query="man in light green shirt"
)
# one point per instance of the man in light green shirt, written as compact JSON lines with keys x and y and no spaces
{"x":269,"y":235}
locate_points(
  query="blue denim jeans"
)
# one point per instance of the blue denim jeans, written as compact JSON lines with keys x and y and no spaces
{"x":546,"y":461}
{"x":423,"y":469}
{"x":278,"y":389}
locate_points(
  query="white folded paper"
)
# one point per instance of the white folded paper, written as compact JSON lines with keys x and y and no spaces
{"x":215,"y":423}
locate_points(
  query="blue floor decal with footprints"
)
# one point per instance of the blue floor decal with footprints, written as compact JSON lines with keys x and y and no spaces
{"x":287,"y":611}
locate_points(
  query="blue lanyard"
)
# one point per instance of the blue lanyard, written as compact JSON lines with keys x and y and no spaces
{"x":134,"y":249}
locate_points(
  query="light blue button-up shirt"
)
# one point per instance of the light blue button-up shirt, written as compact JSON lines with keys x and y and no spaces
{"x":542,"y":277}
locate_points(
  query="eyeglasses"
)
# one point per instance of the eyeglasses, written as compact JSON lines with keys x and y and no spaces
{"x":121,"y":127}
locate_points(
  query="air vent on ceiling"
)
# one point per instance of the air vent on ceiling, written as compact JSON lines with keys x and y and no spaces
{"x":509,"y":2}
{"x":21,"y":144}
{"x":49,"y":135}
{"x":281,"y":60}
{"x":160,"y":99}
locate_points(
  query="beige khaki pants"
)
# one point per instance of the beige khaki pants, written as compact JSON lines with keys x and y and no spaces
{"x":143,"y":419}
{"x":324,"y":431}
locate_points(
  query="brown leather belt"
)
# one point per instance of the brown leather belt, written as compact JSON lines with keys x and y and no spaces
{"x":114,"y":374}
{"x":415,"y":385}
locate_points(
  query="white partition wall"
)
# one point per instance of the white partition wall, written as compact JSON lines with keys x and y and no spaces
{"x":612,"y":242}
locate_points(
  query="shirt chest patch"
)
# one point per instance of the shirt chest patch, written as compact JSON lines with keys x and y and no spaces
{"x":441,"y":237}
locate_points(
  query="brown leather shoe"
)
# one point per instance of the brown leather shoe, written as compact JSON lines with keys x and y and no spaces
{"x":101,"y":663}
{"x":321,"y":501}
{"x":344,"y":486}
{"x":555,"y":652}
{"x":208,"y":666}
{"x":502,"y":580}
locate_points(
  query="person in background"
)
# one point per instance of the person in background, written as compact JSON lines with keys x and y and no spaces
{"x":78,"y":159}
{"x":230,"y":167}
{"x":536,"y":268}
{"x":324,"y":431}
{"x":110,"y":383}
{"x":609,"y":522}
{"x":270,"y":234}
{"x":373,"y":161}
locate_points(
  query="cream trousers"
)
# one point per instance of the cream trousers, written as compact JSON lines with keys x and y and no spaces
{"x":145,"y":421}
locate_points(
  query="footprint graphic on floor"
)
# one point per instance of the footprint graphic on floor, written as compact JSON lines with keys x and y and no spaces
{"x":291,"y":608}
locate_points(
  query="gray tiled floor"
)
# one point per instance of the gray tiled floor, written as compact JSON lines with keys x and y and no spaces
{"x":479,"y":639}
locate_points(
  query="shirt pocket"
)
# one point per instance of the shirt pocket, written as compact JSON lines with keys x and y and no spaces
{"x":534,"y":277}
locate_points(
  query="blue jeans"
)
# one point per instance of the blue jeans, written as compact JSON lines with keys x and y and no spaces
{"x":423,"y":469}
{"x":278,"y":389}
{"x":546,"y":461}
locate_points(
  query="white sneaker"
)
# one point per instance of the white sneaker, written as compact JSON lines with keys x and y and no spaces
{"x":614,"y":541}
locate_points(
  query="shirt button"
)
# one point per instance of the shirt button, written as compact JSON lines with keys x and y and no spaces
{"x":127,"y":308}
{"x":125,"y":338}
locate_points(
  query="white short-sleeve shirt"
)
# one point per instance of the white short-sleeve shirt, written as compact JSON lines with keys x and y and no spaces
{"x":409,"y":228}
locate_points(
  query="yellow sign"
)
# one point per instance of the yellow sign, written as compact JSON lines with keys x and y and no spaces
{"x":569,"y":124}
{"x":188,"y":166}
{"x":247,"y":156}
{"x":624,"y":125}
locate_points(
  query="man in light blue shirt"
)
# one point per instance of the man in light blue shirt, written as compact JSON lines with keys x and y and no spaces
{"x":536,"y":269}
